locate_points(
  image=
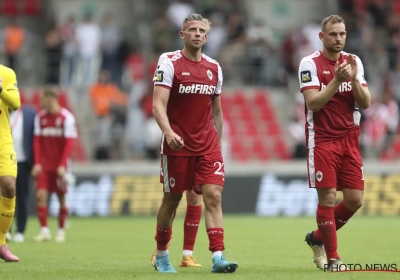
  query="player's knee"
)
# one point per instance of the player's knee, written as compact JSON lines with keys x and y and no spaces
{"x":7,"y":184}
{"x":212,"y":199}
{"x":354,"y":203}
{"x":171,"y":201}
{"x":327,"y":197}
{"x":193,"y":198}
{"x":41,"y":197}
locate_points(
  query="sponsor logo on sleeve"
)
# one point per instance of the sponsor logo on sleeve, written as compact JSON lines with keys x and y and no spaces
{"x":159,"y":76}
{"x":306,"y":76}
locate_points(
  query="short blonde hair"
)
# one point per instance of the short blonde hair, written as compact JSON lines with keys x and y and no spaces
{"x":50,"y":91}
{"x":197,"y":17}
{"x":331,"y":19}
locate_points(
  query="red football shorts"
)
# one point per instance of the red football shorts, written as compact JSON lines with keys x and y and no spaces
{"x":184,"y":173}
{"x":336,"y":164}
{"x":49,"y":181}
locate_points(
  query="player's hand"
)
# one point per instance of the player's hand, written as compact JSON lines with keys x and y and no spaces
{"x":342,"y":71}
{"x":36,"y":170}
{"x":174,"y":141}
{"x":61,"y":172}
{"x":354,"y":68}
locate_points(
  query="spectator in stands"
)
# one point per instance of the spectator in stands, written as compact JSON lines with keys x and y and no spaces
{"x":152,"y":132}
{"x":69,"y":49}
{"x":54,"y":46}
{"x":217,"y":35}
{"x":14,"y":40}
{"x":109,"y":104}
{"x":88,"y":37}
{"x":260,"y":45}
{"x":110,"y":41}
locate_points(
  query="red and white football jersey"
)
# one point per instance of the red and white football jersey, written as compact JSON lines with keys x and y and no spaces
{"x":53,"y":130}
{"x":189,"y":110}
{"x":335,"y":119}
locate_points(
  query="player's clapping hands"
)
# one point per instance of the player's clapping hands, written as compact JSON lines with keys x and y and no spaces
{"x":354,"y":69}
{"x":174,"y":141}
{"x":342,"y":71}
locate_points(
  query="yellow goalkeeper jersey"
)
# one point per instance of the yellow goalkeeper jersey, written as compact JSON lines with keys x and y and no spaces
{"x":9,"y":99}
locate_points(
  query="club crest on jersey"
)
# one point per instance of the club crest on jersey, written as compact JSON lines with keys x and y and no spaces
{"x":209,"y":74}
{"x":58,"y":121}
{"x":319,"y":176}
{"x":306,"y":76}
{"x":172,"y":182}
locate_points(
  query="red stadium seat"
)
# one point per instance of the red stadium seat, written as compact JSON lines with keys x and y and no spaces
{"x":63,"y":100}
{"x":36,"y":100}
{"x":9,"y":7}
{"x":260,"y":150}
{"x":273,"y":129}
{"x":237,"y":149}
{"x":239,"y":98}
{"x":251,"y":129}
{"x":31,"y":7}
{"x":245,"y":114}
{"x":267,"y":114}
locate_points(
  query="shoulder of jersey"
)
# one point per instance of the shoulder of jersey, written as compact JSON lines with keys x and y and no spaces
{"x":66,"y":112}
{"x":311,"y":56}
{"x":209,"y":59}
{"x":171,"y":56}
{"x":41,"y":112}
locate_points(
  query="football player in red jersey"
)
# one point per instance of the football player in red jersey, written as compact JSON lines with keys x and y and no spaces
{"x":334,"y":87}
{"x":54,"y":135}
{"x":186,"y":106}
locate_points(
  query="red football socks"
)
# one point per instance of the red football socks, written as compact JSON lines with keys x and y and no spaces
{"x":42,"y":213}
{"x":191,"y":226}
{"x":163,"y":236}
{"x":62,"y":217}
{"x":342,"y":215}
{"x":216,"y":238}
{"x":327,"y":230}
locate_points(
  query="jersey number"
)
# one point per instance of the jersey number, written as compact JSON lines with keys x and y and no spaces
{"x":219,"y":172}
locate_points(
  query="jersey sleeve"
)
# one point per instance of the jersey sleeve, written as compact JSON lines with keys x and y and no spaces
{"x":164,"y":74}
{"x":10,"y":93}
{"x":308,"y":77}
{"x":220,"y":80}
{"x":36,"y":127}
{"x":70,"y":130}
{"x":360,"y":72}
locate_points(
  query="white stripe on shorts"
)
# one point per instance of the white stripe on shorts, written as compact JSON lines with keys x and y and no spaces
{"x":165,"y":173}
{"x":311,"y":167}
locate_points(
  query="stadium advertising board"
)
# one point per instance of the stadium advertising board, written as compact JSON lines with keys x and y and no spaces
{"x":267,"y":195}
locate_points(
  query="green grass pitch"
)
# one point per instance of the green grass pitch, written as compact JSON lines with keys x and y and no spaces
{"x":265,"y":248}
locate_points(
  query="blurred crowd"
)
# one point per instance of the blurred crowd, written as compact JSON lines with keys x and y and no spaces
{"x":92,"y":53}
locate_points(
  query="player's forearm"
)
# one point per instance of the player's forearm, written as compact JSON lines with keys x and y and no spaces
{"x":69,"y":144}
{"x":36,"y":149}
{"x":11,"y":98}
{"x":160,"y":114}
{"x":320,"y":98}
{"x":218,"y":123}
{"x":361,"y":94}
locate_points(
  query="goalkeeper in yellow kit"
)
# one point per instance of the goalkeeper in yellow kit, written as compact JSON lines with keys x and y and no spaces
{"x":9,"y":100}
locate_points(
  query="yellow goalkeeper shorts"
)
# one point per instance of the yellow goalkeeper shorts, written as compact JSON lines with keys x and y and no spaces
{"x":8,"y":162}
